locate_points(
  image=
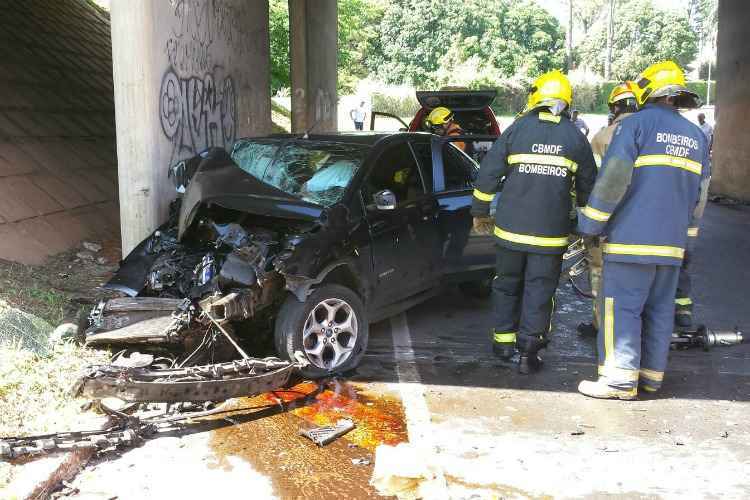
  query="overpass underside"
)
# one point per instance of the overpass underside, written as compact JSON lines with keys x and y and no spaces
{"x":58,"y":173}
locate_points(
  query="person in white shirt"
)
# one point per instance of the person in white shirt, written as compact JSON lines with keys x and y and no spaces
{"x":358,"y":116}
{"x":707,"y":129}
{"x":579,"y":123}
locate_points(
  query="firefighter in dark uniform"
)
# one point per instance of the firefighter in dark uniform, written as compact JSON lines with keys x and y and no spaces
{"x":646,"y":199}
{"x":534,"y":162}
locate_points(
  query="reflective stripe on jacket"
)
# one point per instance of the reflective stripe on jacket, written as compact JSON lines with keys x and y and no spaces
{"x":534,"y":162}
{"x":646,"y":193}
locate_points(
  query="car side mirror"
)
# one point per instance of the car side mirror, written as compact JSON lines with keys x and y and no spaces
{"x":385,"y":200}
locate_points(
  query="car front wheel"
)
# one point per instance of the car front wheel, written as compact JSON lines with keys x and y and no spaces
{"x":330,"y":328}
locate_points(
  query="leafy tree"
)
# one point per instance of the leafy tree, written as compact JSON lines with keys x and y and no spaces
{"x":587,"y":12}
{"x":358,"y":39}
{"x":420,"y":39}
{"x":278,"y":27}
{"x":643,"y":35}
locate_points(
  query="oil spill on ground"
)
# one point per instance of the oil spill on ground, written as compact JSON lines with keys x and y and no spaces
{"x":379,"y":420}
{"x":299,"y":468}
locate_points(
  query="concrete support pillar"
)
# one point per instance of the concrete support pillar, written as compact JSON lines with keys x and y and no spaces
{"x":188,"y":75}
{"x":731,"y":157}
{"x":313,"y":26}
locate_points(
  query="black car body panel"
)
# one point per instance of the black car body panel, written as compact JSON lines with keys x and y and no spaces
{"x":387,"y":257}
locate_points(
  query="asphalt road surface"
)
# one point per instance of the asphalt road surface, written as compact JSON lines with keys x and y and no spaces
{"x":429,"y":378}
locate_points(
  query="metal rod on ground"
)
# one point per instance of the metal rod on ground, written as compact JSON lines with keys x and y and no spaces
{"x":229,"y":336}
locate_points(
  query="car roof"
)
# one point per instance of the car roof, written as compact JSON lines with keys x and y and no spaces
{"x":365,"y":138}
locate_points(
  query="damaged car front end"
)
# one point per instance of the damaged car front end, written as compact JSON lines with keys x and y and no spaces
{"x":286,"y":248}
{"x":251,"y":234}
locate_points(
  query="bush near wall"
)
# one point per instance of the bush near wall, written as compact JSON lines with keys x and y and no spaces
{"x":590,"y":97}
{"x":399,"y":104}
{"x":587,"y":97}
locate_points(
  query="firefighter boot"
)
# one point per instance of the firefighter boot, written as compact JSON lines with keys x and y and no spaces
{"x":683,"y":313}
{"x":587,"y":330}
{"x":503,"y":351}
{"x":601,"y":390}
{"x":504,"y":344}
{"x":530,"y":361}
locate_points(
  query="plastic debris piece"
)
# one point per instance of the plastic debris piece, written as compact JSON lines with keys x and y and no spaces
{"x":91,"y":247}
{"x":327,"y":434}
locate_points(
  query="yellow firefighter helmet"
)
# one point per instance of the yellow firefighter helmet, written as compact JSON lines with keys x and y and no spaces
{"x":548,"y":88}
{"x":660,"y":80}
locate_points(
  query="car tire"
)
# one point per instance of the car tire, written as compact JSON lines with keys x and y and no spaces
{"x":480,"y":289}
{"x":324,"y":340}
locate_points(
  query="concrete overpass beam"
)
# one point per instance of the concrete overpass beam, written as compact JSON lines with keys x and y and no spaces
{"x":731,"y":157}
{"x":188,"y":75}
{"x":313,"y":52}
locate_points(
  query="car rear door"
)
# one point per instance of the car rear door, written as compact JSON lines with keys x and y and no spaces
{"x":404,"y":239}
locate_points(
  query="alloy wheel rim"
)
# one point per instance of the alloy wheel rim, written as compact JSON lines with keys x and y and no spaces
{"x":330,"y":333}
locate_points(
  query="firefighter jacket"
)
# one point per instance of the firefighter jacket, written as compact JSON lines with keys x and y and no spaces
{"x":535,"y":161}
{"x":646,"y":198}
{"x":601,"y":140}
{"x":455,"y":129}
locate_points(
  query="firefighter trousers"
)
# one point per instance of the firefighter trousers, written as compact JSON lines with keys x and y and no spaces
{"x":683,"y":315}
{"x":594,"y":257}
{"x":523,"y":293}
{"x":637,"y":313}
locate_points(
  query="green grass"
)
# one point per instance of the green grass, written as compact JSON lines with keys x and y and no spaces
{"x":34,"y":393}
{"x":26,"y":288}
{"x":281,"y":110}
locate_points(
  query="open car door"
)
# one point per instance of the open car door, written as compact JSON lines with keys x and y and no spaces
{"x":387,"y":122}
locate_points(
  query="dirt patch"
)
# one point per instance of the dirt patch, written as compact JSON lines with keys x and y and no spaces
{"x":57,"y":290}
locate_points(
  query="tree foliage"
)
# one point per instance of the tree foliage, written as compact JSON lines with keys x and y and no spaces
{"x":643,"y":35}
{"x":278,"y":27}
{"x":358,"y":39}
{"x":420,"y":39}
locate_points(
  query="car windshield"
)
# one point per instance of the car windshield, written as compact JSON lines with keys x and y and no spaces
{"x":315,"y":171}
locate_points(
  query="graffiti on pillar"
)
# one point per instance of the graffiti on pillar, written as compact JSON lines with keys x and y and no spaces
{"x":197,"y":112}
{"x":199,"y":25}
{"x":323,"y":105}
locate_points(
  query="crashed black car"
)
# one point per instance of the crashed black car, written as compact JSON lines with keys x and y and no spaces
{"x":312,"y":237}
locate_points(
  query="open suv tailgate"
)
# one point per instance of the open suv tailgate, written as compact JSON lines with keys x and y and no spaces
{"x":456,"y":100}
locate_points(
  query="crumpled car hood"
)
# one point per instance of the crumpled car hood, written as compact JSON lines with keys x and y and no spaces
{"x":230,"y":187}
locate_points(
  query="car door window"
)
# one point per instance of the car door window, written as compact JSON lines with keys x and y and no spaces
{"x":459,"y":170}
{"x":396,"y":170}
{"x":423,"y":151}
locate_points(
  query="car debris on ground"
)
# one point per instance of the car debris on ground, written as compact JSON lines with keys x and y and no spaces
{"x":329,"y":433}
